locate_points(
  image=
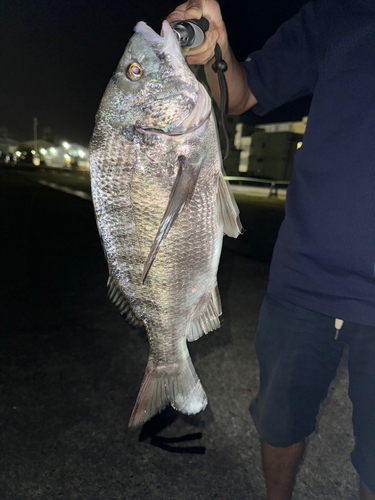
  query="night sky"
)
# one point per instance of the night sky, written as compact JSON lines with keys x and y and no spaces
{"x":56,"y":57}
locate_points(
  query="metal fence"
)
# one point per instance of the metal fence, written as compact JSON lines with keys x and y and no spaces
{"x":254,"y":186}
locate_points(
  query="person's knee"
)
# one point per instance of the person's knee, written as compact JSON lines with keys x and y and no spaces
{"x":279,"y":428}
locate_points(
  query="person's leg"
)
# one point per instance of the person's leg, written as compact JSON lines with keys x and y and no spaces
{"x":361,"y":366}
{"x":298,"y":358}
{"x":280,"y":467}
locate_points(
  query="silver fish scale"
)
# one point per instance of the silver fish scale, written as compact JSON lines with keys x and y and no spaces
{"x":130,"y":196}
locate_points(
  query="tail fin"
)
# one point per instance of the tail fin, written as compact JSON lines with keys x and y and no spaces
{"x":177,"y":384}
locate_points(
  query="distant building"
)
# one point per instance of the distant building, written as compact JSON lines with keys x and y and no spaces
{"x":29,"y":152}
{"x":8,"y":145}
{"x":26,"y":146}
{"x":68,"y":155}
{"x":40,"y":144}
{"x":269,"y":152}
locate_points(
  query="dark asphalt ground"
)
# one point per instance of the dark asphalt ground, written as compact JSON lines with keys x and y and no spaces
{"x":71,"y":369}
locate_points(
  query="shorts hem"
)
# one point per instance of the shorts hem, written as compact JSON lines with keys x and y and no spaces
{"x":364,"y":478}
{"x":278,"y":443}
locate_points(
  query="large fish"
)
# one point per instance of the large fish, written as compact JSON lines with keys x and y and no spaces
{"x":162,"y":206}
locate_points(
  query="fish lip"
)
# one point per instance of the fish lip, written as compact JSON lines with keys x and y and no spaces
{"x":165,"y":42}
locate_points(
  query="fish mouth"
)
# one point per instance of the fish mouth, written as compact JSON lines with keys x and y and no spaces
{"x":166,"y":42}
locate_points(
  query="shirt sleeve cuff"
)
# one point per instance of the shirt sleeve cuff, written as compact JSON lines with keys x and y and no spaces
{"x":266,"y":102}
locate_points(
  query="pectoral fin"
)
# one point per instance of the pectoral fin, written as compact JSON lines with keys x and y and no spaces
{"x":181,"y":194}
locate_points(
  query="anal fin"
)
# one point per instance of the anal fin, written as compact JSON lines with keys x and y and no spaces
{"x":116,"y":295}
{"x":209,"y":320}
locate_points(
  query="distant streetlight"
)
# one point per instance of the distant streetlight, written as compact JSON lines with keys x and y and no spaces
{"x":36,"y":159}
{"x":67,"y":159}
{"x":36,"y":134}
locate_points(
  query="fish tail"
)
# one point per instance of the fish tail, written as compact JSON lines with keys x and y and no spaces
{"x":177,"y":384}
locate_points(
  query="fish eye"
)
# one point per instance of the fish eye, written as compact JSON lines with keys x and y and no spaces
{"x":134,"y":72}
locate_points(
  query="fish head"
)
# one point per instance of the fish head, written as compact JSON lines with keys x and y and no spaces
{"x":153,"y":89}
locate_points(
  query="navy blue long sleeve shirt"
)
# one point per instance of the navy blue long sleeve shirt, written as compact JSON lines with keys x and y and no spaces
{"x":324,"y":258}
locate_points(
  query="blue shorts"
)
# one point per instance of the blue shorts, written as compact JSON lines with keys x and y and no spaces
{"x":298,"y":358}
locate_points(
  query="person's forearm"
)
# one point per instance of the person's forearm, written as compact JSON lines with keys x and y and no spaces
{"x":240,"y":98}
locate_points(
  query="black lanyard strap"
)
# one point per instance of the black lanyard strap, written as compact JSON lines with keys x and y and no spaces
{"x":220,"y":67}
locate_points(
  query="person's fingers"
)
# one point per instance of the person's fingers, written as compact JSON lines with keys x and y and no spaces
{"x":205,"y":52}
{"x":178,"y":14}
{"x":195,"y":9}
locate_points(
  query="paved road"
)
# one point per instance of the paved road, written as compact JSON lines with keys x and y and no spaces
{"x":71,"y":369}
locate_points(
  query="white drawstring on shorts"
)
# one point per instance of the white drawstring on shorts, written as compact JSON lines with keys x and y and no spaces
{"x":338,"y":326}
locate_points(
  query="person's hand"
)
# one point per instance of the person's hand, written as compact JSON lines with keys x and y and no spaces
{"x":195,"y":9}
